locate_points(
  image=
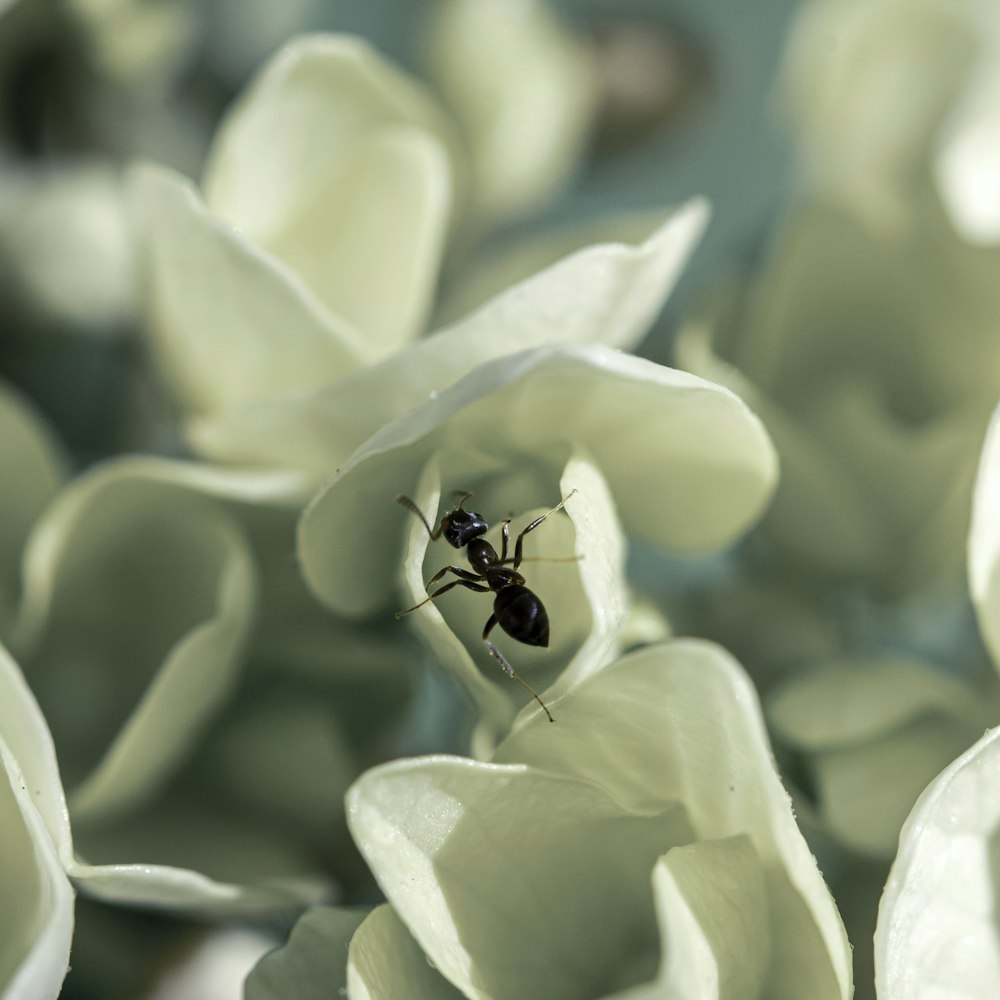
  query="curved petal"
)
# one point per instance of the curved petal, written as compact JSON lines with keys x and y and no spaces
{"x":846,"y":702}
{"x":138,"y":598}
{"x":709,"y":897}
{"x":342,"y":166}
{"x":714,"y":465}
{"x":384,"y":962}
{"x":230,"y":323}
{"x":312,"y":964}
{"x":284,"y":137}
{"x":968,"y":156}
{"x":524,"y":90}
{"x":608,"y":293}
{"x":937,"y":926}
{"x":26,"y":736}
{"x":984,"y":541}
{"x":164,"y":887}
{"x":506,"y":875}
{"x":36,"y":919}
{"x":33,"y":468}
{"x":680,"y":722}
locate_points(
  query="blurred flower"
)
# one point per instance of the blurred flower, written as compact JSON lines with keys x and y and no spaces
{"x":524,"y":92}
{"x":303,"y":357}
{"x":877,"y":414}
{"x":871,"y":732}
{"x":890,"y":97}
{"x":586,"y":861}
{"x":39,"y":858}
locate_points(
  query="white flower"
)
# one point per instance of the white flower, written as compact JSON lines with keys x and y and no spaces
{"x":870,"y":358}
{"x":643,"y":847}
{"x":891,"y":96}
{"x":316,"y":289}
{"x":680,"y":461}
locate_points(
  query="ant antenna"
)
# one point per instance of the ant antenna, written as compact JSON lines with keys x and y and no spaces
{"x":411,"y":506}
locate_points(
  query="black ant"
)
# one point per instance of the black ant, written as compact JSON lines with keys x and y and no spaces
{"x":516,"y":609}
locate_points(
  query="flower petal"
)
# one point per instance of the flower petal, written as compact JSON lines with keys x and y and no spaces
{"x":709,"y":898}
{"x":33,"y":468}
{"x":843,"y":703}
{"x":230,"y":323}
{"x":384,"y":962}
{"x":312,"y":965}
{"x":608,"y":293}
{"x":506,"y":875}
{"x":968,"y":157}
{"x":984,"y":541}
{"x":681,"y":722}
{"x":937,"y":924}
{"x":326,"y":145}
{"x":866,"y":792}
{"x":524,"y":90}
{"x":138,"y":598}
{"x":36,"y":920}
{"x":714,"y":465}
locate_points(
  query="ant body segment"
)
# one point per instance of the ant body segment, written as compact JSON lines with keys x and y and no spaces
{"x":516,"y":609}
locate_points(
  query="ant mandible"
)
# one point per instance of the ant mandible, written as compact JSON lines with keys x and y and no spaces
{"x":516,"y":609}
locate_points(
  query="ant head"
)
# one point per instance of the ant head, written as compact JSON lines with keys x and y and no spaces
{"x":461,"y":526}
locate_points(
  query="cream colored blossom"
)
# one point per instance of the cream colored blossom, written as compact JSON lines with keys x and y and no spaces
{"x":871,"y":359}
{"x":585,"y":861}
{"x":891,"y":97}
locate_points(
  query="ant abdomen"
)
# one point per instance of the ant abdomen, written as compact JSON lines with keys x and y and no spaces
{"x":522,"y":615}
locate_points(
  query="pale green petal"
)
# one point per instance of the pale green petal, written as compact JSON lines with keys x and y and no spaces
{"x":968,"y":156}
{"x":36,"y":919}
{"x":312,"y":965}
{"x":138,"y":599}
{"x":687,"y":464}
{"x":198,"y":849}
{"x":285,"y":136}
{"x":844,"y":703}
{"x":507,"y":875}
{"x":608,"y":293}
{"x":866,"y":792}
{"x":341,"y":166}
{"x":937,"y":925}
{"x":710,"y":897}
{"x":26,"y":735}
{"x":167,"y":888}
{"x":681,"y":722}
{"x":984,"y":541}
{"x":385,"y":962}
{"x":865,"y":111}
{"x":370,"y":249}
{"x":814,"y":486}
{"x":33,"y":467}
{"x":503,"y":263}
{"x":230,"y":323}
{"x":524,"y":91}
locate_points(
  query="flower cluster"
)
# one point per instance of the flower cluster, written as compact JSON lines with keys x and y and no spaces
{"x":246,"y":690}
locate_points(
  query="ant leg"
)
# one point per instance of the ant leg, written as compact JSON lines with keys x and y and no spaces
{"x":508,"y":669}
{"x":534,"y":524}
{"x":442,"y":590}
{"x":460,"y":571}
{"x":505,"y":539}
